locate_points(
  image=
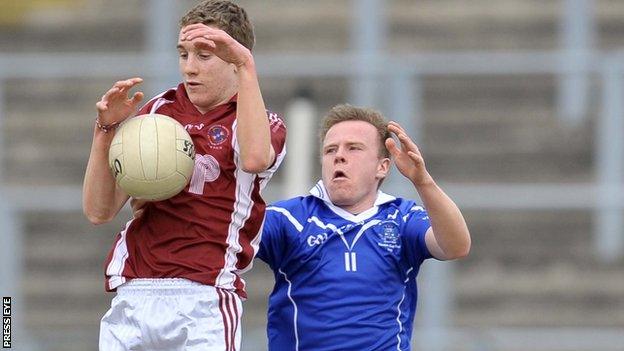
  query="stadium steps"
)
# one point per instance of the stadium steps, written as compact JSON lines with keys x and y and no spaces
{"x":502,"y":129}
{"x":493,"y":152}
{"x":63,"y":274}
{"x":507,"y":25}
{"x":47,"y":142}
{"x":423,"y":25}
{"x":456,"y":25}
{"x":115,"y":25}
{"x":572,"y":297}
{"x":428,"y":25}
{"x":536,"y":268}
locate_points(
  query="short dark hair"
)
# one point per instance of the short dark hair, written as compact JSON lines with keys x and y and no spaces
{"x":346,"y":112}
{"x":224,"y":15}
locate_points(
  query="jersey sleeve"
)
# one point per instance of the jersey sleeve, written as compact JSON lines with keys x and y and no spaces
{"x":278,"y":138}
{"x":277,"y":130}
{"x":159,"y":101}
{"x":146,"y":108}
{"x":416,"y":224}
{"x":272,"y":244}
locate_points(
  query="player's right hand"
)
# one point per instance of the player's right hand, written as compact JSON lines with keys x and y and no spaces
{"x":115,"y":105}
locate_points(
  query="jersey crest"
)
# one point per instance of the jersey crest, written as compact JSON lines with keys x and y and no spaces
{"x":388,"y":235}
{"x":217,"y":135}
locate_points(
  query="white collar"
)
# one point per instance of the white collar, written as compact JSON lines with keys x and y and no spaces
{"x":320,"y":192}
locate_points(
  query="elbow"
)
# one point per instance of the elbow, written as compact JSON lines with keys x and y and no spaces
{"x":257,"y":164}
{"x":460,"y":252}
{"x":97,"y":219}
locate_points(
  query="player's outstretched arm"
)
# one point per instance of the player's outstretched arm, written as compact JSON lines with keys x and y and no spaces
{"x":101,"y":198}
{"x":448,"y":238}
{"x":252,"y":133}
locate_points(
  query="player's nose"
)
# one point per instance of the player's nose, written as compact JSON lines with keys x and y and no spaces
{"x":339,"y":157}
{"x":189,"y":66}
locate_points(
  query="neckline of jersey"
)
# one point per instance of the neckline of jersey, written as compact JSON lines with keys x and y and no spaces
{"x":214,"y":111}
{"x":319,"y":191}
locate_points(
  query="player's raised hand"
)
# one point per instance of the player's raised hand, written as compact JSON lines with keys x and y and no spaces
{"x":218,"y":42}
{"x":116,"y":105}
{"x":407,"y":158}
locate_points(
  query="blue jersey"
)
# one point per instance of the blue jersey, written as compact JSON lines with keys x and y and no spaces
{"x":343,"y":281}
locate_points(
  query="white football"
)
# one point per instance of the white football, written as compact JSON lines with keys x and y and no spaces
{"x":152,"y":157}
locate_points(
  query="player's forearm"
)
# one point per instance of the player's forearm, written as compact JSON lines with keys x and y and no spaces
{"x":100,"y":198}
{"x":448,"y":224}
{"x":253,"y":134}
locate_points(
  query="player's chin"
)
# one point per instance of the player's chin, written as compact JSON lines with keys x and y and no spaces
{"x":195,"y":93}
{"x":341,"y":200}
{"x":343,"y":184}
{"x":340,"y":194}
{"x":198,"y":98}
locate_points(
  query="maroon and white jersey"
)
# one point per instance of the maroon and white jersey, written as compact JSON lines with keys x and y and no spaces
{"x":209,"y":233}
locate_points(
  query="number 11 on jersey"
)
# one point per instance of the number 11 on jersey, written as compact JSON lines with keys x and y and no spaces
{"x":350,"y":262}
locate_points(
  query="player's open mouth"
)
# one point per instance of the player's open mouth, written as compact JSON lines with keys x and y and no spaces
{"x":339,"y":175}
{"x":193,"y":84}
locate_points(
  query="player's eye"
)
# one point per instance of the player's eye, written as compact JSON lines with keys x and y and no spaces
{"x":183,"y":55}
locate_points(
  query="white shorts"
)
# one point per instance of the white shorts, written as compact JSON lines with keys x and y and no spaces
{"x":171,"y":314}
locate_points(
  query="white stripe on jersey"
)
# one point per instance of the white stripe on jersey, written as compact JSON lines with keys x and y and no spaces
{"x":412,"y":211}
{"x":265,"y":178}
{"x":120,"y":254}
{"x":266,"y":175}
{"x":158,"y":103}
{"x":288,"y":215}
{"x":255,"y":243}
{"x":359,"y":234}
{"x":242,"y":210}
{"x":399,"y":310}
{"x":322,"y":225}
{"x":296,"y":312}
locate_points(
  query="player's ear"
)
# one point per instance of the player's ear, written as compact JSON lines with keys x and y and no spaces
{"x":383,"y":167}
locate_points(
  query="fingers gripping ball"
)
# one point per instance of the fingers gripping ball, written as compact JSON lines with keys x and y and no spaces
{"x":152,"y":157}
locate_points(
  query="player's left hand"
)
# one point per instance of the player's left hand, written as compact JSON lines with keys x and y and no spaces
{"x":408,"y":158}
{"x":218,"y":42}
